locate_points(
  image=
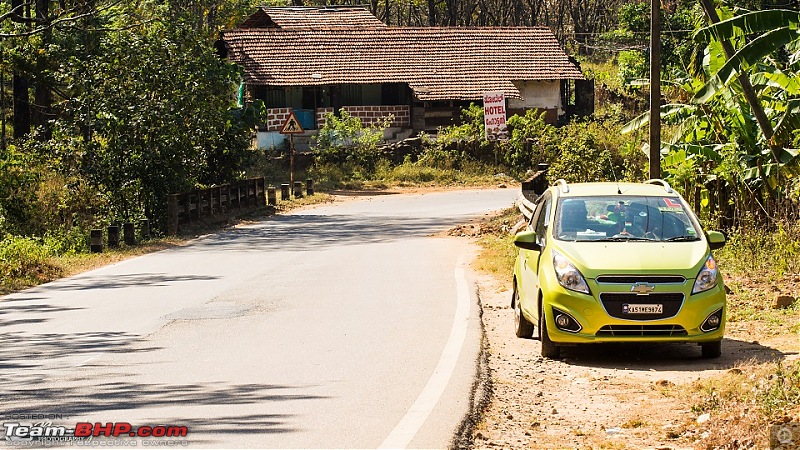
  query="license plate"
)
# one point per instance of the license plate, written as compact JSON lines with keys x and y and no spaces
{"x":643,"y":309}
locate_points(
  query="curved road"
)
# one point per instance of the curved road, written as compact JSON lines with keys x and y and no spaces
{"x":340,"y":326}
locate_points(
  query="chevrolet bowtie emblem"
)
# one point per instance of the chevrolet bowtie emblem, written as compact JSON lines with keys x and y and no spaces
{"x":642,"y":288}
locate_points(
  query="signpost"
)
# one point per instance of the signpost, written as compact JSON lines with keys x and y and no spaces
{"x":291,"y":127}
{"x":494,"y":116}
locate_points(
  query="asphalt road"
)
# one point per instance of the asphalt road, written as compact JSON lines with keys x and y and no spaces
{"x":340,"y":326}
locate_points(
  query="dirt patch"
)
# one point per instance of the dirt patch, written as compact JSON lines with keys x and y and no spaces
{"x":608,"y":396}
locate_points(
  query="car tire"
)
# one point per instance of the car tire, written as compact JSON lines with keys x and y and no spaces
{"x":549,"y":348}
{"x":523,"y":328}
{"x":711,"y":349}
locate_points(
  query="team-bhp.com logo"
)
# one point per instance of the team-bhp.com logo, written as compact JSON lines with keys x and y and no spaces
{"x":16,"y":431}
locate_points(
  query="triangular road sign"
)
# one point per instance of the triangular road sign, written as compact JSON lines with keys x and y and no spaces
{"x":292,"y":125}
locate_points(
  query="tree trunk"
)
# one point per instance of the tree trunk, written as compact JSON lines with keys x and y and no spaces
{"x":43,"y":96}
{"x":432,"y":13}
{"x":21,"y":102}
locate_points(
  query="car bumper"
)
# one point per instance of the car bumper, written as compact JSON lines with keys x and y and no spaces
{"x":597,"y":325}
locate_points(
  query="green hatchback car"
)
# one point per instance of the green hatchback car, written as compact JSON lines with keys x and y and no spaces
{"x":617,"y":262}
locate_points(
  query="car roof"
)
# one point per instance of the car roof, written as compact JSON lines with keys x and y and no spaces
{"x":611,"y":189}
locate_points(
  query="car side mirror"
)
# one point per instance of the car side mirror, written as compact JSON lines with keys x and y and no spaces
{"x":528,"y":241}
{"x":715,"y":239}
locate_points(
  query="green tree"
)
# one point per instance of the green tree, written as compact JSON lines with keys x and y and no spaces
{"x":718,"y":131}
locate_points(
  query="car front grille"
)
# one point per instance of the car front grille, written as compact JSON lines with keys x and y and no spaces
{"x":614,"y":303}
{"x":633,"y":279}
{"x":641,"y":330}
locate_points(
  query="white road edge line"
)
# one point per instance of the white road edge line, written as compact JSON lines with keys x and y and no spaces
{"x":416,"y":416}
{"x":88,"y":360}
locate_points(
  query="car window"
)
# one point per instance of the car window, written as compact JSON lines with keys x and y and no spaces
{"x":647,"y":218}
{"x":543,"y":219}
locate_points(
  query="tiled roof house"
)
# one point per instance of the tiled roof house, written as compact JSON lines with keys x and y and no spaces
{"x":319,"y":59}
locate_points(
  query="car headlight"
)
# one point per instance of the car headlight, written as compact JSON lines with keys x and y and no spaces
{"x":568,"y":275}
{"x":707,"y":278}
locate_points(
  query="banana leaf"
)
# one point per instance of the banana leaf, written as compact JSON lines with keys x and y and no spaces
{"x":666,"y":112}
{"x":754,"y":22}
{"x":789,"y":121}
{"x":747,"y":56}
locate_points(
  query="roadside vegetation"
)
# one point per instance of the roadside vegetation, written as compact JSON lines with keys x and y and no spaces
{"x":129,"y":102}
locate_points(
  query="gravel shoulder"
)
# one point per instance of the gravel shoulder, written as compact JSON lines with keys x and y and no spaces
{"x":604,"y":396}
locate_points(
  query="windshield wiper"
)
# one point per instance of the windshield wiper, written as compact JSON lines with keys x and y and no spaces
{"x":682,"y":239}
{"x":622,"y":238}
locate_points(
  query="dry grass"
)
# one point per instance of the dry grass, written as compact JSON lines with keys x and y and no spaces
{"x":743,"y":404}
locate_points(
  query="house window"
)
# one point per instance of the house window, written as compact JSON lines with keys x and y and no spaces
{"x":390,"y":93}
{"x":272,"y":97}
{"x":313,"y":97}
{"x":351,"y":94}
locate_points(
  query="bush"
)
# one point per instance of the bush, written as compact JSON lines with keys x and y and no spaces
{"x":532,"y":141}
{"x":346,"y":142}
{"x":772,"y":254}
{"x":632,"y":65}
{"x":25,"y":262}
{"x":67,"y":242}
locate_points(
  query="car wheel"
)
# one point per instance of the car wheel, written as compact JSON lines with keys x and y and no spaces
{"x":524,"y":329}
{"x":711,"y":349}
{"x":549,"y":348}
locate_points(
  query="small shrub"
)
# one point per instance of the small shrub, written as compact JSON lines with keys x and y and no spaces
{"x":632,"y":65}
{"x":750,"y":250}
{"x":25,"y":262}
{"x":346,"y":142}
{"x":67,"y":242}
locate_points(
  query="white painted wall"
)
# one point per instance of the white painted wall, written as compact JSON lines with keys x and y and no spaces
{"x":537,"y":94}
{"x":270,"y":140}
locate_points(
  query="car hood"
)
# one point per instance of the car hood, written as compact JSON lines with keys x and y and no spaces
{"x":635,"y":257}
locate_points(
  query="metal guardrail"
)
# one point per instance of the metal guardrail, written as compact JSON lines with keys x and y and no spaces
{"x":526,"y":207}
{"x":199,"y":203}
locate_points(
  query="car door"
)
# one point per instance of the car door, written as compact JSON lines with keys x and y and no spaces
{"x":529,"y":259}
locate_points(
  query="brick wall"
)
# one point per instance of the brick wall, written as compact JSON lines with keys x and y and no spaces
{"x":276,"y":117}
{"x":369,"y":115}
{"x":372,"y":115}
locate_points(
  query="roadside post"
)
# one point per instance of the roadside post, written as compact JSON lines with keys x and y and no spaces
{"x":113,"y":236}
{"x":298,"y":189}
{"x":291,"y":127}
{"x":144,"y":229}
{"x":96,"y":241}
{"x":128,"y":233}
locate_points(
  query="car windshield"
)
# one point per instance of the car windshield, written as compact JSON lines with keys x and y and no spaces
{"x":624,"y":218}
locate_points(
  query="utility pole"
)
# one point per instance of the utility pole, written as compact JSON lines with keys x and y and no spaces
{"x":655,"y":89}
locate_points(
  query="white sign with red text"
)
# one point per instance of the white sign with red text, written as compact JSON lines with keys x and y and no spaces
{"x":494,"y":116}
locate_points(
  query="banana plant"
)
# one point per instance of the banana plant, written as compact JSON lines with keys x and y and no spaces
{"x":717,"y":126}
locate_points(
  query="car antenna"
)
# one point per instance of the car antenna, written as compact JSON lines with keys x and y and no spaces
{"x":611,"y":165}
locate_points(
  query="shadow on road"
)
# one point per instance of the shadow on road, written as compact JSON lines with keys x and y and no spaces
{"x":28,"y":384}
{"x":317,"y":232}
{"x":86,"y":282}
{"x":92,"y":398}
{"x":39,"y":350}
{"x":244,"y":424}
{"x":34,"y":313}
{"x":668,"y":356}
